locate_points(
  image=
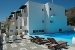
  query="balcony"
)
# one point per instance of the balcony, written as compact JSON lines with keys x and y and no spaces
{"x":12,"y":19}
{"x":24,"y":27}
{"x":24,"y":15}
{"x":23,"y":6}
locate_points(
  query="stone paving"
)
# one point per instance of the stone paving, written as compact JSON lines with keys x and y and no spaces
{"x":27,"y":45}
{"x":24,"y":45}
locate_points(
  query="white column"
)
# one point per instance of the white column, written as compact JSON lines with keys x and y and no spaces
{"x":23,"y":25}
{"x":22,"y":21}
{"x":18,"y":24}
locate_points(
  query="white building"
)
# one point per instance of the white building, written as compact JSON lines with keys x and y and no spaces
{"x":2,"y":24}
{"x":39,"y":18}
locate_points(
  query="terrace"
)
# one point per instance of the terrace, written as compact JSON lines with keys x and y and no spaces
{"x":26,"y":44}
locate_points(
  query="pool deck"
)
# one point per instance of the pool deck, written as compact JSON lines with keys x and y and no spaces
{"x":25,"y":44}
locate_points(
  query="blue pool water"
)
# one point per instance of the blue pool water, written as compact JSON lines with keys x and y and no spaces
{"x":65,"y":36}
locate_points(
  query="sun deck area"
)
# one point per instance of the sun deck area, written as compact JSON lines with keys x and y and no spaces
{"x":27,"y":45}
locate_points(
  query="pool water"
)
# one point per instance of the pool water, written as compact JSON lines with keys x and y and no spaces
{"x":64,"y":36}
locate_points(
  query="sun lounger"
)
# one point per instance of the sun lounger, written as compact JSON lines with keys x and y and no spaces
{"x":32,"y":39}
{"x":52,"y":40}
{"x":41,"y":41}
{"x":37,"y":37}
{"x":38,"y":40}
{"x":56,"y":45}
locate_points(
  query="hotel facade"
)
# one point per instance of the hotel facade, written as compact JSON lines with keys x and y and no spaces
{"x":37,"y":18}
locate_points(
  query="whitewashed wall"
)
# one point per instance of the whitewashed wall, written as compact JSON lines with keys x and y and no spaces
{"x":59,"y":20}
{"x":36,"y":15}
{"x":12,"y":27}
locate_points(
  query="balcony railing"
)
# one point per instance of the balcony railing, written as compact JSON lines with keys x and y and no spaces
{"x":24,"y":27}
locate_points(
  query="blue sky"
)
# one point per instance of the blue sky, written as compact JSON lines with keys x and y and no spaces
{"x":8,"y":6}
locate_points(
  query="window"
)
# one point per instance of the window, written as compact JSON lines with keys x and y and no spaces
{"x":11,"y":30}
{"x":16,"y":17}
{"x":65,"y":12}
{"x":42,"y":30}
{"x":42,"y":21}
{"x":16,"y":27}
{"x":60,"y":30}
{"x":20,"y":27}
{"x":34,"y":31}
{"x":26,"y":31}
{"x":51,"y":21}
{"x":24,"y":10}
{"x":50,"y":8}
{"x":42,"y":9}
{"x":20,"y":15}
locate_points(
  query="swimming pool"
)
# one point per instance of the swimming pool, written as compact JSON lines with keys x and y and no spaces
{"x":64,"y":36}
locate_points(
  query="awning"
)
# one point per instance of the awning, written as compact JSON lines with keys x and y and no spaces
{"x":23,"y":6}
{"x":18,"y":11}
{"x":12,"y":12}
{"x":11,"y":16}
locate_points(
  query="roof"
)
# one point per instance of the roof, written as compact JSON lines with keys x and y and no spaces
{"x":23,"y":6}
{"x":18,"y":11}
